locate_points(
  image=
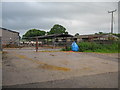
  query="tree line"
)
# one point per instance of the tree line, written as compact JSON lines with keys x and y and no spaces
{"x":56,"y":29}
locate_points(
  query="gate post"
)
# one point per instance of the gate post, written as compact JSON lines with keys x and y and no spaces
{"x":36,"y":44}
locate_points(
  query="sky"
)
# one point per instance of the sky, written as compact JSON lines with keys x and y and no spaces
{"x":76,"y":17}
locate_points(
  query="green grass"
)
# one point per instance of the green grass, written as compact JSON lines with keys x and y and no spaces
{"x":68,"y":49}
{"x":94,"y":47}
{"x":102,"y":51}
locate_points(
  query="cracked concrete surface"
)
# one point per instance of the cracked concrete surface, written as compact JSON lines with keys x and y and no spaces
{"x":27,"y":66}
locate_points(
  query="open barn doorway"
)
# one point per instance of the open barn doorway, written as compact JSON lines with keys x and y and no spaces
{"x":54,"y":41}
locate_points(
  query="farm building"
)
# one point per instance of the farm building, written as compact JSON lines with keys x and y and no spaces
{"x":9,"y":37}
{"x":95,"y":37}
{"x":51,"y":40}
{"x":58,"y":39}
{"x":0,"y":40}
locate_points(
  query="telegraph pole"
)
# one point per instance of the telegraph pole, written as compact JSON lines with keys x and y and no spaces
{"x":112,"y":19}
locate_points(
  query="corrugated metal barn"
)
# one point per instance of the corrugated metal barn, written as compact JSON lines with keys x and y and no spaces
{"x":0,"y":40}
{"x":9,"y":37}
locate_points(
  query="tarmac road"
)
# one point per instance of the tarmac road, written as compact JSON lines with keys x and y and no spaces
{"x":106,"y":80}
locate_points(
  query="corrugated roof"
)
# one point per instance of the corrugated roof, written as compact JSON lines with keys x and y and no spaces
{"x":9,"y":30}
{"x":52,"y":36}
{"x":94,"y":36}
{"x":55,"y":35}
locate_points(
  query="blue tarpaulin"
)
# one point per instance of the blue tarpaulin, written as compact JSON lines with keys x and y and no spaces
{"x":74,"y":47}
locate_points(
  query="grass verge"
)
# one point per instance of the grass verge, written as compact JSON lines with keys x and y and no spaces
{"x":95,"y":47}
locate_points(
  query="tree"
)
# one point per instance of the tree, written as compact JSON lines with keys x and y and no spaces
{"x":100,"y":32}
{"x":33,"y":33}
{"x":57,"y":29}
{"x":77,"y":34}
{"x":96,"y":33}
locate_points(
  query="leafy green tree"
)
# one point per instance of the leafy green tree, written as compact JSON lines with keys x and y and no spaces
{"x":57,"y":29}
{"x":77,"y":34}
{"x":33,"y":33}
{"x":96,"y":33}
{"x":101,"y":33}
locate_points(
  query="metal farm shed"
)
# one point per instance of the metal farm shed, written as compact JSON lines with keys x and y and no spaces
{"x":9,"y":37}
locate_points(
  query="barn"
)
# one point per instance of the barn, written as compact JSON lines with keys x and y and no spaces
{"x":100,"y":38}
{"x":0,"y":40}
{"x":9,"y":37}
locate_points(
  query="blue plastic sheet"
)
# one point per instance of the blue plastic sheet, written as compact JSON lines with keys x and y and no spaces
{"x":74,"y":47}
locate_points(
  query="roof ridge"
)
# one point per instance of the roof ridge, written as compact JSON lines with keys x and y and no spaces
{"x":9,"y":30}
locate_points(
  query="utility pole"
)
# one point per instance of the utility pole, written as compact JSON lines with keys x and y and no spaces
{"x":112,"y":19}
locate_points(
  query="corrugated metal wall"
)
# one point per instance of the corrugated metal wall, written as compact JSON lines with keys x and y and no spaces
{"x":10,"y":37}
{"x":0,"y":44}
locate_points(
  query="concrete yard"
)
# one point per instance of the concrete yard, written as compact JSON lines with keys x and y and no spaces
{"x":27,"y":66}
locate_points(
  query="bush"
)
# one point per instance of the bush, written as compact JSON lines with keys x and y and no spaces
{"x":94,"y":47}
{"x":85,"y":46}
{"x":68,"y":49}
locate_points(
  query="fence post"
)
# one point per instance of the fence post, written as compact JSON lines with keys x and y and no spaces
{"x":66,"y":43}
{"x":36,"y":44}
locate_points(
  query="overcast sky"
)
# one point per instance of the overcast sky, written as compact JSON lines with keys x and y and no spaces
{"x":82,"y":17}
